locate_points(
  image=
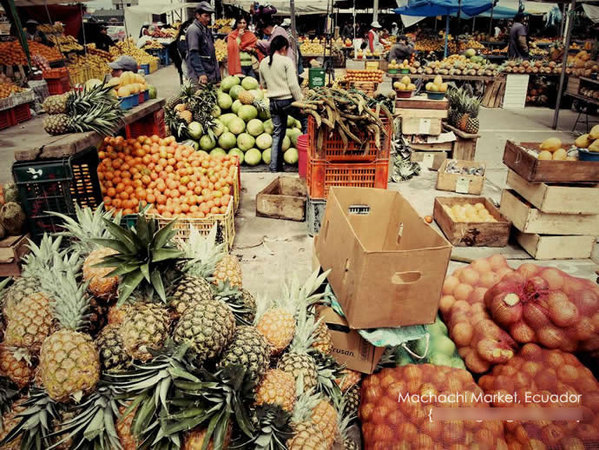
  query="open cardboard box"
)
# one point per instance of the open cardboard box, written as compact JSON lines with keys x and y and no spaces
{"x":387,"y":264}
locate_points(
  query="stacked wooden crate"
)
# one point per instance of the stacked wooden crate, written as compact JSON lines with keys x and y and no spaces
{"x":553,"y":205}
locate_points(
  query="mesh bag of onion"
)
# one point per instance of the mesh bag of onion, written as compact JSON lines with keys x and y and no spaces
{"x":547,"y":306}
{"x":392,"y":418}
{"x":551,"y":379}
{"x":481,"y":342}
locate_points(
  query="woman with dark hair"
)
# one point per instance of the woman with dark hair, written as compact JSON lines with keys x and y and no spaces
{"x":278,"y":76}
{"x":240,"y":44}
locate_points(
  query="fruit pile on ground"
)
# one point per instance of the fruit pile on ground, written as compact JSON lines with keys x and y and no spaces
{"x":463,"y":110}
{"x":115,"y":338}
{"x":172,"y":178}
{"x":12,"y":216}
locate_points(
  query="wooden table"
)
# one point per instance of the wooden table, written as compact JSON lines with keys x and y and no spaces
{"x":35,"y":143}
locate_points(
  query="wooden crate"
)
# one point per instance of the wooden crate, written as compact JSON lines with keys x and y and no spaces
{"x":462,"y":184}
{"x":528,"y":219}
{"x":522,"y":160}
{"x":552,"y":198}
{"x":573,"y":85}
{"x":421,"y":102}
{"x":283,"y":198}
{"x":464,"y":146}
{"x":494,"y":92}
{"x":430,"y":160}
{"x":472,"y":234}
{"x":12,"y":250}
{"x":556,"y":247}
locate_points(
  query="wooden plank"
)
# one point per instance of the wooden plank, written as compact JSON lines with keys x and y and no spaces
{"x":463,"y":184}
{"x":459,"y":132}
{"x":421,"y":102}
{"x":520,"y":157}
{"x":562,"y":199}
{"x":422,"y":113}
{"x":472,"y":234}
{"x":500,"y":95}
{"x":528,"y":219}
{"x":556,"y":247}
{"x":283,"y":198}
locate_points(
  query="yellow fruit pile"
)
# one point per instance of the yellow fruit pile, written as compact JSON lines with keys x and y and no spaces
{"x":437,"y":85}
{"x":128,"y":83}
{"x":128,"y":47}
{"x":468,"y":212}
{"x":403,"y":85}
{"x":395,"y":65}
{"x":220,"y":48}
{"x":375,"y":76}
{"x":312,"y":48}
{"x":153,"y":44}
{"x":551,"y":149}
{"x":589,"y":141}
{"x":47,"y":28}
{"x":7,"y":89}
{"x":65,"y":43}
{"x":83,"y":68}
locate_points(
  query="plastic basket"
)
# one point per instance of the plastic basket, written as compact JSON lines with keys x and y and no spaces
{"x":321,"y":175}
{"x":22,"y":112}
{"x":7,"y":118}
{"x":332,"y":147}
{"x":141,"y":98}
{"x":145,"y":68}
{"x":435,"y":95}
{"x":146,"y":95}
{"x":57,"y":86}
{"x":152,"y":124}
{"x":129,"y":102}
{"x":585,"y":155}
{"x":403,"y":94}
{"x":57,"y":185}
{"x":302,"y":152}
{"x":393,"y":71}
{"x":314,"y":214}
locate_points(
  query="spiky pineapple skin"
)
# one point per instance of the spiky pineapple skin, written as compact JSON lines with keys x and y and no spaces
{"x":55,"y":104}
{"x":56,"y":124}
{"x":472,"y":125}
{"x":324,"y":416}
{"x":228,"y":270}
{"x":194,"y":440}
{"x":145,"y":326}
{"x":208,"y":327}
{"x":352,"y":401}
{"x":276,"y":388}
{"x":123,"y":429}
{"x":323,"y":341}
{"x":22,"y":288}
{"x":189,"y":290}
{"x":300,"y":364}
{"x":29,"y":323}
{"x":18,"y":370}
{"x":99,"y":284}
{"x":348,"y":379}
{"x":113,"y":355}
{"x":278,"y":327}
{"x":69,"y":364}
{"x":307,"y":437}
{"x":248,"y":349}
{"x":250,"y":303}
{"x":116,"y":314}
{"x":8,"y":422}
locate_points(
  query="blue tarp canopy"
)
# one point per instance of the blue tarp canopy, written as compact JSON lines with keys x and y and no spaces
{"x":433,"y":8}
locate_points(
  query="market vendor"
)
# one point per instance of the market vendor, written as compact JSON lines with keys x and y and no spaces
{"x":123,"y":64}
{"x":374,"y":38}
{"x":146,"y":37}
{"x":104,"y":42}
{"x":201,"y":56}
{"x":518,"y":45}
{"x":241,"y":43}
{"x":402,"y":49}
{"x":34,"y":34}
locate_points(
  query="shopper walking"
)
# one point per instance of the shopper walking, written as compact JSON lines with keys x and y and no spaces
{"x":201,"y":56}
{"x":278,"y":76}
{"x":240,"y":45}
{"x":518,"y":45}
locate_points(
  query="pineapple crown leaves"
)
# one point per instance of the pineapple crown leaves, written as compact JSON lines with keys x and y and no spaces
{"x":273,"y":428}
{"x":304,"y":332}
{"x":233,"y":297}
{"x":9,"y":392}
{"x":86,"y":225}
{"x":41,"y":258}
{"x":328,"y":370}
{"x":35,"y":423}
{"x":305,"y":404}
{"x":144,"y":254}
{"x":202,"y":253}
{"x":263,"y":304}
{"x":93,"y":424}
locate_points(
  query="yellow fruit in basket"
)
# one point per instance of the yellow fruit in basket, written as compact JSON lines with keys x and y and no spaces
{"x":443,"y":87}
{"x":551,"y":144}
{"x":411,"y":87}
{"x":582,"y":141}
{"x":406,"y":80}
{"x":124,"y":91}
{"x":594,"y":147}
{"x":594,"y":134}
{"x":430,"y":86}
{"x":116,"y":81}
{"x":560,"y":155}
{"x":545,"y":156}
{"x":571,"y":158}
{"x":438,"y":80}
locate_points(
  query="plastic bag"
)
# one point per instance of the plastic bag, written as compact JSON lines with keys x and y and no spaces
{"x":538,"y":377}
{"x":547,"y":306}
{"x":391,"y":420}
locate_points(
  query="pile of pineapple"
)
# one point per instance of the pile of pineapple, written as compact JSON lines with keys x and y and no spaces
{"x":126,"y":338}
{"x":463,"y":110}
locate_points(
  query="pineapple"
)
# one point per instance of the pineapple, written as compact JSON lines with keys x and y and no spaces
{"x":241,"y":302}
{"x":9,"y":421}
{"x":187,"y":116}
{"x":324,"y":416}
{"x":112,"y":350}
{"x":201,"y":252}
{"x":248,"y":349}
{"x":145,"y":327}
{"x":207,"y":327}
{"x":472,"y":124}
{"x":123,"y":428}
{"x":16,"y":365}
{"x":189,"y":290}
{"x":194,"y":440}
{"x":116,"y":314}
{"x":297,"y":361}
{"x":97,"y":317}
{"x":29,"y":322}
{"x":343,"y":424}
{"x":276,"y":388}
{"x":56,"y":104}
{"x":228,"y":270}
{"x":307,"y":434}
{"x":22,"y":288}
{"x":246,"y":98}
{"x":100,"y":285}
{"x":352,"y":401}
{"x":322,"y":340}
{"x":69,"y":360}
{"x":348,"y":379}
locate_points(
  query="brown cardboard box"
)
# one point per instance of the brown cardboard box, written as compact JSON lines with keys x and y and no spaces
{"x":12,"y":250}
{"x":349,"y":348}
{"x":387,"y":264}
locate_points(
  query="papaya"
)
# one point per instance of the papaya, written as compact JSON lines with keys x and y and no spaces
{"x":594,"y":134}
{"x":551,"y":144}
{"x":545,"y":155}
{"x":583,"y":141}
{"x":594,"y":147}
{"x":560,"y":155}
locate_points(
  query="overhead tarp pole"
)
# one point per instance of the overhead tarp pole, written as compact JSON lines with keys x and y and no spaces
{"x":292,"y":13}
{"x":562,"y":76}
{"x":375,"y":11}
{"x":491,"y":22}
{"x":11,"y":11}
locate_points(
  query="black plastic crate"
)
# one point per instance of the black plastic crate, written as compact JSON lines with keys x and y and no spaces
{"x":57,"y":185}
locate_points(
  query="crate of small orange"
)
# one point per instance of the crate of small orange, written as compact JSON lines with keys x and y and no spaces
{"x":196,"y":189}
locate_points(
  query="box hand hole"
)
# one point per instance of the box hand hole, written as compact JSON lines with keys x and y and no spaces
{"x":405,"y":277}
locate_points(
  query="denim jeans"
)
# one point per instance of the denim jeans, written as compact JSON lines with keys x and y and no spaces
{"x":279,"y":111}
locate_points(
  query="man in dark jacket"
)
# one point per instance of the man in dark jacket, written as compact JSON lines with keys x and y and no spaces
{"x":201,"y":56}
{"x":402,"y":50}
{"x":518,"y":45}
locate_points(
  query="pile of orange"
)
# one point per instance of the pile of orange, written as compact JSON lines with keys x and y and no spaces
{"x":11,"y":52}
{"x":6,"y":89}
{"x":364,"y":75}
{"x":174,"y":178}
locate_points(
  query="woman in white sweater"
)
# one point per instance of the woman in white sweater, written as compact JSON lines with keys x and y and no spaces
{"x":279,"y":77}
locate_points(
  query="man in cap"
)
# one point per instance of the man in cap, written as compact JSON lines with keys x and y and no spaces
{"x":34,"y":34}
{"x":201,"y":56}
{"x":123,"y":64}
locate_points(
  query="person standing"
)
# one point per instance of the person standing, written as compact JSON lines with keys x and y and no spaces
{"x":402,"y":50}
{"x":374,"y":39}
{"x":240,"y":44}
{"x":33,"y":33}
{"x":394,"y":29}
{"x":201,"y":56}
{"x":278,"y":76}
{"x":104,"y":41}
{"x":518,"y":45}
{"x":271,"y":31}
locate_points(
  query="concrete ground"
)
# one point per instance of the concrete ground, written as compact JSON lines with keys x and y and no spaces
{"x":271,"y":250}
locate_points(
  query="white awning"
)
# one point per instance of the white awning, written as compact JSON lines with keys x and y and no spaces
{"x":301,"y":6}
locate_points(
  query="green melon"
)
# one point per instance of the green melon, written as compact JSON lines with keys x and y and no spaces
{"x":235,"y":107}
{"x":264,"y":141}
{"x":218,"y":128}
{"x":257,"y":93}
{"x":227,"y":140}
{"x":253,"y":157}
{"x":195,"y":130}
{"x":291,"y":156}
{"x":236,"y":126}
{"x":226,"y":118}
{"x":234,"y":92}
{"x":245,"y":141}
{"x":255,"y":127}
{"x":218,"y":152}
{"x":247,"y":112}
{"x":207,"y":142}
{"x":249,"y":83}
{"x":269,"y":127}
{"x":238,"y":153}
{"x":224,"y":100}
{"x":286,"y":143}
{"x":266,"y":156}
{"x":229,"y":82}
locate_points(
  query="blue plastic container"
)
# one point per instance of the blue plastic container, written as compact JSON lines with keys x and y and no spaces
{"x":435,"y":95}
{"x":585,"y":155}
{"x":130,"y":101}
{"x":146,"y":95}
{"x":145,"y":68}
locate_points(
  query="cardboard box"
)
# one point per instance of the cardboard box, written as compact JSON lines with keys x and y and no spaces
{"x":429,"y":160}
{"x":387,"y":264}
{"x":460,"y":183}
{"x":349,"y":348}
{"x":12,"y":250}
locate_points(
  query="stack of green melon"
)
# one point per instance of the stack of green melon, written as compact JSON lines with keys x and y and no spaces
{"x":242,"y":128}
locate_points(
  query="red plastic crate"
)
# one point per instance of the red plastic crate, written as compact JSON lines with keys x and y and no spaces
{"x":142,"y":97}
{"x":321,"y":175}
{"x":152,"y":124}
{"x":7,"y":118}
{"x":332,"y":147}
{"x":22,"y":113}
{"x":59,"y":85}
